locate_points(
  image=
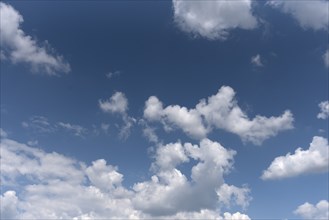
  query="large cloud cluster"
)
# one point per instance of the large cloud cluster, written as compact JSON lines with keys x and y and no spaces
{"x":218,"y":111}
{"x":41,"y":185}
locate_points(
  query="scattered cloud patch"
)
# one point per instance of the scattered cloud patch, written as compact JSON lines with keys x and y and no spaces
{"x":310,"y":211}
{"x":218,"y":111}
{"x":213,"y":19}
{"x":256,"y":61}
{"x":105,"y":127}
{"x":313,"y":160}
{"x":326,"y":58}
{"x":3,"y":133}
{"x":118,"y":103}
{"x":33,"y":143}
{"x":76,"y":129}
{"x":227,"y":193}
{"x":42,"y":125}
{"x":55,"y":186}
{"x":39,"y":124}
{"x":110,"y":75}
{"x":309,"y":14}
{"x":18,"y":47}
{"x":324,"y":108}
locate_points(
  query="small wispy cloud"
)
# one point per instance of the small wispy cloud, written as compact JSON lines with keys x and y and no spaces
{"x":76,"y":129}
{"x":257,"y":60}
{"x":111,"y":75}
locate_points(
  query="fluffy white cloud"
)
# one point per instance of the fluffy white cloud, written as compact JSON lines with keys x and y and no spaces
{"x":324,"y":107}
{"x":8,"y":205}
{"x":218,"y":111}
{"x":228,"y":192}
{"x":235,"y":216}
{"x":21,"y":48}
{"x":118,"y":103}
{"x":188,"y":120}
{"x":213,"y":19}
{"x":53,"y":186}
{"x":76,"y":129}
{"x":256,"y":60}
{"x":169,"y":190}
{"x":310,"y":211}
{"x":313,"y":160}
{"x":326,"y":58}
{"x":309,"y":14}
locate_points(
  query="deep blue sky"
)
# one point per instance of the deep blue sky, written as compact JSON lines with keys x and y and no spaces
{"x":155,"y":57}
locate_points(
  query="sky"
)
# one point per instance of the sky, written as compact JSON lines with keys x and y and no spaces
{"x":164,"y":109}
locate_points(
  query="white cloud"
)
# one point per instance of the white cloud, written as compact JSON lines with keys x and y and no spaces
{"x":54,"y":186}
{"x":228,"y":192}
{"x":105,"y":127}
{"x":8,"y":205}
{"x":76,"y":129}
{"x":310,"y":211}
{"x":118,"y":103}
{"x":39,"y":124}
{"x":309,"y":14}
{"x":218,"y":111}
{"x":213,"y":19}
{"x":22,"y":48}
{"x":326,"y":58}
{"x":324,"y":107}
{"x":149,"y":133}
{"x":3,"y":133}
{"x":235,"y":216}
{"x":33,"y":143}
{"x":313,"y":160}
{"x":169,"y":190}
{"x":110,"y":75}
{"x":256,"y":60}
{"x":128,"y":123}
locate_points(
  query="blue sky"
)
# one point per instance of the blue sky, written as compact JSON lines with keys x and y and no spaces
{"x":169,"y":109}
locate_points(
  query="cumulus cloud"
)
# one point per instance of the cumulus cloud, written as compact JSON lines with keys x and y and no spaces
{"x":218,"y":111}
{"x":8,"y":205}
{"x":118,"y":103}
{"x":326,"y":58}
{"x":324,"y":108}
{"x":169,"y":190}
{"x":313,"y":160}
{"x":19,"y":47}
{"x":235,"y":216}
{"x":54,"y":186}
{"x":256,"y":60}
{"x":309,"y":14}
{"x":310,"y":211}
{"x":213,"y":19}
